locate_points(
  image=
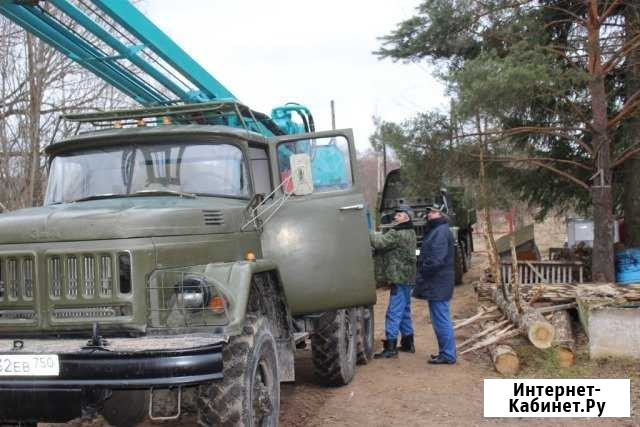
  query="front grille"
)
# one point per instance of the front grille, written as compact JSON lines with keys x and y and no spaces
{"x":80,"y":287}
{"x":419,"y":229}
{"x":17,"y":278}
{"x":99,"y":312}
{"x":17,"y":315}
{"x":83,"y":276}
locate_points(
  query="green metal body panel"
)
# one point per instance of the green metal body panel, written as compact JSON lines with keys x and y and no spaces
{"x":320,"y":252}
{"x":323,"y":252}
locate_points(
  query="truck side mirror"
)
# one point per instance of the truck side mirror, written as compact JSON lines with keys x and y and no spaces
{"x":301,"y":178}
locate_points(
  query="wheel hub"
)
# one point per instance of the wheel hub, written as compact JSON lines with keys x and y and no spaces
{"x":262,"y":401}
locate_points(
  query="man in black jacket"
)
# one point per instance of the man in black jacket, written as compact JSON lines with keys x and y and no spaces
{"x":435,"y":282}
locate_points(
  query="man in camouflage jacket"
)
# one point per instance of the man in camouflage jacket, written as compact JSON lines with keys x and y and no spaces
{"x":396,"y":250}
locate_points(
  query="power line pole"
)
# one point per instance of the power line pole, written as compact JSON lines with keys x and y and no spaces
{"x":384,"y":160}
{"x":333,"y":115}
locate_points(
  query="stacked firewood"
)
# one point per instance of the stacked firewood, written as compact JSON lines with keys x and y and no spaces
{"x":542,"y":326}
{"x":539,"y":312}
{"x":563,"y":293}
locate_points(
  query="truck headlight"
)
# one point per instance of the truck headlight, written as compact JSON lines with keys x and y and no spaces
{"x":180,"y":299}
{"x":192,"y":292}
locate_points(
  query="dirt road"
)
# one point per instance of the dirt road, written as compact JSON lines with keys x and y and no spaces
{"x":407,"y":391}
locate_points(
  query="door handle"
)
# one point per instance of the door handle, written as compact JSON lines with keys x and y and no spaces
{"x":352,"y":208}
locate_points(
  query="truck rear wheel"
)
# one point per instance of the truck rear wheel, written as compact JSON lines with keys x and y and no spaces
{"x":458,"y":265}
{"x":333,"y":347}
{"x":365,"y":335}
{"x":249,"y":394}
{"x":465,"y":246}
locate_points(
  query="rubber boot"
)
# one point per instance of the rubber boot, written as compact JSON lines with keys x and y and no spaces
{"x":406,"y":344}
{"x":389,"y":350}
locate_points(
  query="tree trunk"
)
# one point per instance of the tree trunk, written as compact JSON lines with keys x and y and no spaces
{"x":490,"y":243}
{"x":602,"y":266}
{"x":564,"y":342}
{"x":530,"y":323}
{"x":35,"y":76}
{"x":631,"y":185}
{"x":602,"y":263}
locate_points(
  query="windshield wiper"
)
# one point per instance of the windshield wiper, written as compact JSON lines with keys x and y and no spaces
{"x":100,"y":196}
{"x":164,"y":192}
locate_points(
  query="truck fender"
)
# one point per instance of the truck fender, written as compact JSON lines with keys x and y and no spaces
{"x":235,"y":281}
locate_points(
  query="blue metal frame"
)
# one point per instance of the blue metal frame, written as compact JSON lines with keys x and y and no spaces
{"x":146,"y":31}
{"x":152,"y":84}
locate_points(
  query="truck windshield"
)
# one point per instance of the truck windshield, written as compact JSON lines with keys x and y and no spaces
{"x":205,"y":169}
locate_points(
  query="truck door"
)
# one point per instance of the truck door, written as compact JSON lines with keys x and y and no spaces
{"x":320,"y":241}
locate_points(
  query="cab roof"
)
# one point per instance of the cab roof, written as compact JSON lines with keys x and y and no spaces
{"x":115,"y":136}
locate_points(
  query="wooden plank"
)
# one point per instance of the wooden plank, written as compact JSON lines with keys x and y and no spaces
{"x":535,"y":271}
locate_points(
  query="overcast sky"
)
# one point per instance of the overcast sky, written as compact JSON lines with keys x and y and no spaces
{"x":269,"y":53}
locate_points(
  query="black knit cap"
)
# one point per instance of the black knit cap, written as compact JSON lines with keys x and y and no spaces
{"x":406,"y":209}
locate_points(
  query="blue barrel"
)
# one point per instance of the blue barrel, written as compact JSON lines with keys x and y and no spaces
{"x":628,"y":266}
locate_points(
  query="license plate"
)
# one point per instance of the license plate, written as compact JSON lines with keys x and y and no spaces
{"x":29,"y":365}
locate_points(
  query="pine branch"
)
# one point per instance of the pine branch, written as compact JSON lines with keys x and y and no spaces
{"x":609,"y":10}
{"x":621,"y":54}
{"x":627,"y":109}
{"x":577,"y":18}
{"x":536,"y":159}
{"x":563,"y":174}
{"x":626,"y":155}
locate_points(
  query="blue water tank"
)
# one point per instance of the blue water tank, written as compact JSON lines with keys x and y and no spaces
{"x":628,"y":266}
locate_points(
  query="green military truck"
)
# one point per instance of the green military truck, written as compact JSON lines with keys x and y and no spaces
{"x":452,"y":201}
{"x":176,"y":268}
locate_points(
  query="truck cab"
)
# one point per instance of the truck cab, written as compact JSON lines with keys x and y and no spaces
{"x":162,"y":250}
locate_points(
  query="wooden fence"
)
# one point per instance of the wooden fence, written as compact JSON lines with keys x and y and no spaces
{"x":531,"y":272}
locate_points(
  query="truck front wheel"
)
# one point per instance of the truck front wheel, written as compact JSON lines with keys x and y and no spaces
{"x":249,"y":394}
{"x":365,"y":335}
{"x":333,"y":347}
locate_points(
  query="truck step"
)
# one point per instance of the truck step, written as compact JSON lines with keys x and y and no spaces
{"x":299,"y":337}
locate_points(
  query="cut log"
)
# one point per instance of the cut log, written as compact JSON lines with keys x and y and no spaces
{"x":556,"y":293}
{"x":530,"y":323}
{"x":554,"y":308}
{"x":505,"y":359}
{"x":564,"y":343}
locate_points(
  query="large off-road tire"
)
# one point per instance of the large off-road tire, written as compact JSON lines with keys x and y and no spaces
{"x":128,"y":407}
{"x":18,"y":424}
{"x":458,"y":265}
{"x":465,"y":246}
{"x":364,"y":338}
{"x":333,"y":347}
{"x":249,"y":394}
